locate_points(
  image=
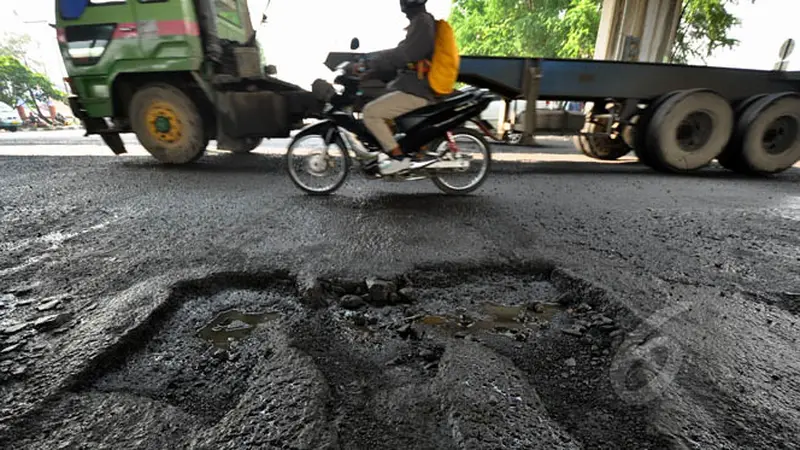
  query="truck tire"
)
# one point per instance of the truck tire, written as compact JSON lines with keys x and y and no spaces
{"x":640,"y":145}
{"x":243,"y":146}
{"x":729,"y":158}
{"x":767,"y":140}
{"x":689,"y":130}
{"x":168,"y":124}
{"x":600,"y":147}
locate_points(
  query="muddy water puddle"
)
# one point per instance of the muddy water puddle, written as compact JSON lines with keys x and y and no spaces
{"x":233,"y":325}
{"x":496,"y":317}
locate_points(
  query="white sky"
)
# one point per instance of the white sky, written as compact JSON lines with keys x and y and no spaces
{"x":300,"y":33}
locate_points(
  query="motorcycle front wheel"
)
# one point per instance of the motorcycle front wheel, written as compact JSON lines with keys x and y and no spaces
{"x":317,"y":168}
{"x":471,"y":144}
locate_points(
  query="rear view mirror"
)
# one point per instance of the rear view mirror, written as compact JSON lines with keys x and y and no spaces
{"x":270,"y":70}
{"x":354,"y":44}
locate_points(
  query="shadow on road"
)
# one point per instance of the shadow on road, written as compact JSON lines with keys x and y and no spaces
{"x":629,"y":168}
{"x":220,"y":163}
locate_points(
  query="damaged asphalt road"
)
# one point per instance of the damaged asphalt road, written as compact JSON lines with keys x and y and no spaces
{"x":564,"y":305}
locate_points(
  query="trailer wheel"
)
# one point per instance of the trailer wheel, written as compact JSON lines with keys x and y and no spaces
{"x":729,"y":158}
{"x":768,"y":136}
{"x":168,"y":124}
{"x":640,"y":145}
{"x":245,"y":145}
{"x":689,"y":130}
{"x":600,"y":147}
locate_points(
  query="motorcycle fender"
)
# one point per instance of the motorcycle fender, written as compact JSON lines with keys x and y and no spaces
{"x":325,"y":128}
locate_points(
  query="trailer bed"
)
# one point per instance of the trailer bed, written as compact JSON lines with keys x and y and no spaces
{"x":588,"y":80}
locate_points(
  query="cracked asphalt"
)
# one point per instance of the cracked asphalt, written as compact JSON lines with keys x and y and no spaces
{"x":379,"y":334}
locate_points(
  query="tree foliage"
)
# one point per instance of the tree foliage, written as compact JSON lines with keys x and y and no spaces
{"x":703,"y":28}
{"x":568,"y":28}
{"x":19,"y":82}
{"x":550,"y":28}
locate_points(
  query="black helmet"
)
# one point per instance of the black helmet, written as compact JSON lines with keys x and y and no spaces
{"x":405,"y":5}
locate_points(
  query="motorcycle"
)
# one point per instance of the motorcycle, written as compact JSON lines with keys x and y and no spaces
{"x":434,"y":134}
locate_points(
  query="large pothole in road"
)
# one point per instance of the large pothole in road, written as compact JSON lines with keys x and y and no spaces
{"x":447,"y":359}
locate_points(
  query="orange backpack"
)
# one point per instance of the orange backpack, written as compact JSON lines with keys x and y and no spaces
{"x":443,"y":68}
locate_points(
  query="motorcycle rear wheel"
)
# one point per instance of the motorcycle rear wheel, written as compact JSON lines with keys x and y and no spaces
{"x":317,"y":163}
{"x":461,"y":135}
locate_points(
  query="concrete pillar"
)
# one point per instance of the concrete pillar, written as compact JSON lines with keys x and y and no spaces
{"x":637,"y":30}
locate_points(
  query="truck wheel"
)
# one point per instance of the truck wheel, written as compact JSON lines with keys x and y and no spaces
{"x":245,"y":145}
{"x":768,"y":136}
{"x":640,"y":145}
{"x":729,"y":158}
{"x":600,"y":147}
{"x":689,"y":130}
{"x":167,"y":123}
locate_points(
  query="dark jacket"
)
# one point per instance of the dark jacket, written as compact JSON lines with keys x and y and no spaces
{"x":417,"y":45}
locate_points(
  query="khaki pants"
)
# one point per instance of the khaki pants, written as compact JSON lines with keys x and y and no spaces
{"x":388,"y":107}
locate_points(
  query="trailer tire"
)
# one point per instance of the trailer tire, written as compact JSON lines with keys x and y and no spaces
{"x":640,"y":147}
{"x":775,"y":117}
{"x":600,"y":147}
{"x":168,"y":124}
{"x":729,"y":158}
{"x":689,"y":130}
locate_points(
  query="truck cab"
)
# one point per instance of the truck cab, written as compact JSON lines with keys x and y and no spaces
{"x":177,"y":73}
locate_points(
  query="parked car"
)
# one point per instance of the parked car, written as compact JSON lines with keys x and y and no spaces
{"x":9,"y":118}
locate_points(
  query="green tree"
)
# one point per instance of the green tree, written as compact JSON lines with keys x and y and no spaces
{"x":704,"y":28}
{"x":548,"y":28}
{"x":17,"y":81}
{"x":568,"y":28}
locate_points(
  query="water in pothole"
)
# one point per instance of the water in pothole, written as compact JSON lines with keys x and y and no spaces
{"x":233,"y":325}
{"x":496,"y":317}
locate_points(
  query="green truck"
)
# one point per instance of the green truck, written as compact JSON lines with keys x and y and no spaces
{"x":177,"y":73}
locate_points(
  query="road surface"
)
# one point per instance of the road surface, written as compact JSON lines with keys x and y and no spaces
{"x":566,"y":304}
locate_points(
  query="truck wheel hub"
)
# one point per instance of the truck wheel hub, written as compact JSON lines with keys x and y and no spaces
{"x":780,"y":135}
{"x":164,"y":123}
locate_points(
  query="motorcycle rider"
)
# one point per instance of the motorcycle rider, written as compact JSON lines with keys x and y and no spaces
{"x":409,"y":90}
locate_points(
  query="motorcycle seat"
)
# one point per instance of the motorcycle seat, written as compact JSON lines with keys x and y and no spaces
{"x":439,"y":104}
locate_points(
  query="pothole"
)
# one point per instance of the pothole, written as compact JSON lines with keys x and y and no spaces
{"x":433,"y":359}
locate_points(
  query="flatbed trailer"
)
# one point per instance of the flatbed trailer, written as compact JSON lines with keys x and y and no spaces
{"x":676,"y":118}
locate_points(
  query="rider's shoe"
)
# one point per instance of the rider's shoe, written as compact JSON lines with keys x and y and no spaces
{"x":389,"y":165}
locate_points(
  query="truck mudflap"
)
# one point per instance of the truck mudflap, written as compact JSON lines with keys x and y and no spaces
{"x":97,"y":125}
{"x":114,"y":142}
